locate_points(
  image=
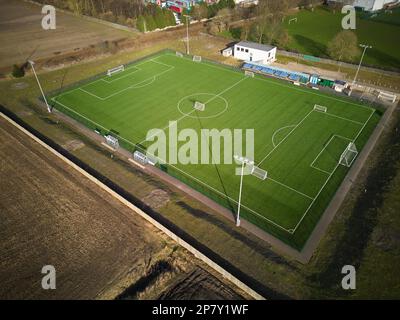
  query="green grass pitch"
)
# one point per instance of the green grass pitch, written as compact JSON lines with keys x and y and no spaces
{"x":298,"y":146}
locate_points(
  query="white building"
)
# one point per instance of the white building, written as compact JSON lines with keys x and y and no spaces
{"x":246,"y":2}
{"x":251,"y":51}
{"x":367,"y":5}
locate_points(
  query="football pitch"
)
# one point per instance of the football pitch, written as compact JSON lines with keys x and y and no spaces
{"x":299,"y":147}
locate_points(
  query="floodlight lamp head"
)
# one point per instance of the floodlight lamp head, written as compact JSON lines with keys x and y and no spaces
{"x":31,"y":62}
{"x":243,"y":159}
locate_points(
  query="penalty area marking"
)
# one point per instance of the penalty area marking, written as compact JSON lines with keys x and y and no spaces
{"x":134,"y":86}
{"x":330,"y":176}
{"x":312,"y":165}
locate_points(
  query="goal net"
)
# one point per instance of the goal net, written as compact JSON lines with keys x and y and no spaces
{"x":112,"y":141}
{"x":249,"y":74}
{"x":387,"y":96}
{"x":199,"y":106}
{"x":259,"y":173}
{"x":179,"y":54}
{"x":140,"y":157}
{"x":319,"y":108}
{"x":111,"y":71}
{"x":197,"y":58}
{"x":348,"y":155}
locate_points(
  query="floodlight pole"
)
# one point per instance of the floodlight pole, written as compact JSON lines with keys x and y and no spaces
{"x":40,"y":87}
{"x":362,"y":57}
{"x":243,"y":161}
{"x":187,"y":33}
{"x":240,"y":197}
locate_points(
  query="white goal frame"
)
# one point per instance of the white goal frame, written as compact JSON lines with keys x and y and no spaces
{"x":197,"y":58}
{"x":292,"y":20}
{"x":140,"y":157}
{"x":111,"y":71}
{"x":179,"y":54}
{"x":249,"y":74}
{"x":112,"y":141}
{"x":350,"y":149}
{"x":199,"y":106}
{"x":259,"y":173}
{"x":319,"y":108}
{"x":387,"y":96}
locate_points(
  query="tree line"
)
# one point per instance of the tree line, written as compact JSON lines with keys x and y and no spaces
{"x":124,"y":12}
{"x":135,"y":13}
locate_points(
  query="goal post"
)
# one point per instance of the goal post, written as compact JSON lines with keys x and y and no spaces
{"x":197,"y":58}
{"x":387,"y":96}
{"x":112,"y":141}
{"x":348,"y":155}
{"x":199,"y":106}
{"x":111,"y":71}
{"x":249,"y":74}
{"x":320,"y":108}
{"x":140,"y":157}
{"x":179,"y":54}
{"x":259,"y":173}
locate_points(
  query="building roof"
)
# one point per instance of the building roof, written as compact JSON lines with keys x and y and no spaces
{"x":253,"y":45}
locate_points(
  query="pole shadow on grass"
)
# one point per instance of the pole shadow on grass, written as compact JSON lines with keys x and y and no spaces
{"x":229,"y":203}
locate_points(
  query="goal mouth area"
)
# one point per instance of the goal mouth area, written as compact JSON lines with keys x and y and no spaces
{"x":348,"y":155}
{"x":259,"y":173}
{"x":387,"y":96}
{"x":320,"y":108}
{"x":112,"y":71}
{"x":197,"y":58}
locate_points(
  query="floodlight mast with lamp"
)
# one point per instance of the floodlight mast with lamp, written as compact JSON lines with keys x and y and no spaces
{"x":243,"y":161}
{"x":40,"y":87}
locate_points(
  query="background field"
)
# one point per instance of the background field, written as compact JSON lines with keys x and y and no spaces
{"x":22,"y":35}
{"x":313,"y":31}
{"x":289,"y":135}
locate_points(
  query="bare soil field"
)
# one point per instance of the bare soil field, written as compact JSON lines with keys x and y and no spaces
{"x":52,"y":215}
{"x":21,"y":33}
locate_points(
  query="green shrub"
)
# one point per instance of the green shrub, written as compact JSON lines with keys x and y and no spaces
{"x":18,"y":72}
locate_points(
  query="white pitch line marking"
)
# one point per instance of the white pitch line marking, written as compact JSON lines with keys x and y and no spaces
{"x":330,"y":176}
{"x":291,"y":131}
{"x":294,"y":190}
{"x":278,"y":130}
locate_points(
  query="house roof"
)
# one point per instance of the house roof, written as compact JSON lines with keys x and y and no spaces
{"x":253,"y":45}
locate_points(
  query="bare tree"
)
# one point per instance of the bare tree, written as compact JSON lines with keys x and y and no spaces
{"x":344,"y":45}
